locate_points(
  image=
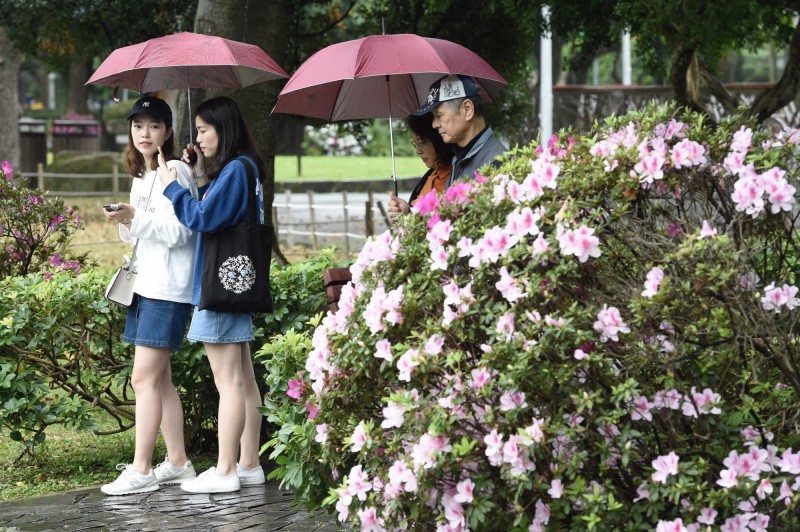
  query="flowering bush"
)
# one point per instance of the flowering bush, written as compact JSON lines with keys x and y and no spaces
{"x":600,"y":336}
{"x":332,"y":139}
{"x":34,"y":229}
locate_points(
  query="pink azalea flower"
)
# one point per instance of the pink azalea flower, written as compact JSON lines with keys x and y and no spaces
{"x":653,"y":280}
{"x":383,"y":349}
{"x":440,"y":232}
{"x":512,"y":400}
{"x":494,"y":447}
{"x":707,"y":516}
{"x":641,"y":409}
{"x":580,"y":242}
{"x":458,"y":192}
{"x":464,"y":491}
{"x":312,"y":410}
{"x":393,"y":415}
{"x":439,"y":258}
{"x":727,"y":478}
{"x":369,"y":520}
{"x":509,"y":288}
{"x":480,"y":377}
{"x":358,"y":438}
{"x":434,"y":345}
{"x":406,"y":364}
{"x":556,"y":489}
{"x":322,"y":434}
{"x":343,"y":504}
{"x":296,"y":387}
{"x":358,"y":483}
{"x":650,"y":167}
{"x":540,"y":245}
{"x":427,"y":203}
{"x":665,"y":466}
{"x":671,"y":526}
{"x":8,"y":170}
{"x":707,"y":230}
{"x":609,"y":324}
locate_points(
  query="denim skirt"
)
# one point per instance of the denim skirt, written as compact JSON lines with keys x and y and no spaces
{"x":156,"y":323}
{"x":220,"y":327}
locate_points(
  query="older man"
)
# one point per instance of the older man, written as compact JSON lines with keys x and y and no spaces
{"x":458,"y":116}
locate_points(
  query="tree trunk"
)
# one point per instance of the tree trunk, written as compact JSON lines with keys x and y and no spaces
{"x":264,"y":24}
{"x":684,"y":84}
{"x":770,"y":101}
{"x":9,"y":112}
{"x":77,"y":92}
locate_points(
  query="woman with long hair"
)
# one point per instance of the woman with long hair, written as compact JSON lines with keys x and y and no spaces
{"x":226,"y":147}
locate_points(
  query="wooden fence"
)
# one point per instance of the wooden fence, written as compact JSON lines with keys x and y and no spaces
{"x":308,"y":219}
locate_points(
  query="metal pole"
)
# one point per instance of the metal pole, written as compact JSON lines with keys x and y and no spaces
{"x":546,"y":84}
{"x":626,"y":58}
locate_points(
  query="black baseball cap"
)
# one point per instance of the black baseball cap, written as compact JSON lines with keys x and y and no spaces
{"x":154,"y":107}
{"x":449,"y":88}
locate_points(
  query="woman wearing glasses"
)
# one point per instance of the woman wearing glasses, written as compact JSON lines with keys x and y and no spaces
{"x":435,"y":154}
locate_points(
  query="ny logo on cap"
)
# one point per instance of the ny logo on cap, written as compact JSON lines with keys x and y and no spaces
{"x":432,"y":95}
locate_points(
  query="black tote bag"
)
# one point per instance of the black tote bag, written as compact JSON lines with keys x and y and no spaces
{"x":236,"y":262}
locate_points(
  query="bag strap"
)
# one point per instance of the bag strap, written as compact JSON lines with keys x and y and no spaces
{"x":136,"y":245}
{"x":251,"y":190}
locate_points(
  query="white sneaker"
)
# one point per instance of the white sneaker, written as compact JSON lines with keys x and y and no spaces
{"x":172,"y":474}
{"x":250,"y":476}
{"x":209,"y":482}
{"x":131,"y":481}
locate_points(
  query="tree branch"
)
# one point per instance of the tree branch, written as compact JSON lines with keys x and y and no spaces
{"x":770,"y":101}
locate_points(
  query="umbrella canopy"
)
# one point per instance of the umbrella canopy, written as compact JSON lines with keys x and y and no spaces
{"x":379,"y":76}
{"x":186,"y":61}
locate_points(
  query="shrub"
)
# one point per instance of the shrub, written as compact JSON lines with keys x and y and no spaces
{"x":34,"y":229}
{"x":299,"y":297}
{"x":600,"y":336}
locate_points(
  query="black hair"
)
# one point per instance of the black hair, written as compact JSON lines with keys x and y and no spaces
{"x":233,"y":136}
{"x":422,"y":126}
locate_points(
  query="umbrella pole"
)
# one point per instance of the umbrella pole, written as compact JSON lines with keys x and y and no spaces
{"x":189,"y":100}
{"x":391,"y":135}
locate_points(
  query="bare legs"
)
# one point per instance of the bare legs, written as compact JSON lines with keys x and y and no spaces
{"x":157,"y":405}
{"x":239,"y":398}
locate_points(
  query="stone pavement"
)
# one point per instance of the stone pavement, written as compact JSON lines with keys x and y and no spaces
{"x":256,"y":508}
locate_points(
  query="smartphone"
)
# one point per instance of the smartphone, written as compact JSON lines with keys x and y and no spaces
{"x":112,"y":207}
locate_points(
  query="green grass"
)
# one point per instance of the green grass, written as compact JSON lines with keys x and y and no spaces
{"x":343,"y":168}
{"x":70,"y":460}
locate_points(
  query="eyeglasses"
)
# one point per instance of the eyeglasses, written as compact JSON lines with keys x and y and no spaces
{"x":420,"y":143}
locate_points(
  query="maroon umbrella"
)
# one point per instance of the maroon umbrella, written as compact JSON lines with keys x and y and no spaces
{"x":186,"y":61}
{"x":381,"y":76}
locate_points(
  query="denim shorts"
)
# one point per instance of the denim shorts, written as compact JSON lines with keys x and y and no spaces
{"x":220,"y":327}
{"x":156,"y":323}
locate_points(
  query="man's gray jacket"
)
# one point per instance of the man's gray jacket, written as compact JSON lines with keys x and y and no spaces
{"x":485,"y":150}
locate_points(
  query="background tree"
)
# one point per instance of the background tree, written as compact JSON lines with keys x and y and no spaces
{"x":69,"y":35}
{"x":685,"y":41}
{"x":9,"y":74}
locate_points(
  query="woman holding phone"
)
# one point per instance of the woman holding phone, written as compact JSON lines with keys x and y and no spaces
{"x":226,"y":147}
{"x":157,"y":318}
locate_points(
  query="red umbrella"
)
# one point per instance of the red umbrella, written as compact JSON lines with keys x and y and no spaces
{"x":380,"y":76}
{"x":186,"y":61}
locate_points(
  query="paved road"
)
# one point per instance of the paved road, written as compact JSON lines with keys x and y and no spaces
{"x":261,"y":508}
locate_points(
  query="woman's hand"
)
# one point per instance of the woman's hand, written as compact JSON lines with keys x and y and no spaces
{"x":166,"y":174}
{"x":123,"y":215}
{"x":396,"y":207}
{"x":191,"y":156}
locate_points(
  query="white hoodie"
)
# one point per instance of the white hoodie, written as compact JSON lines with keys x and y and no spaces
{"x":165,"y":255}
